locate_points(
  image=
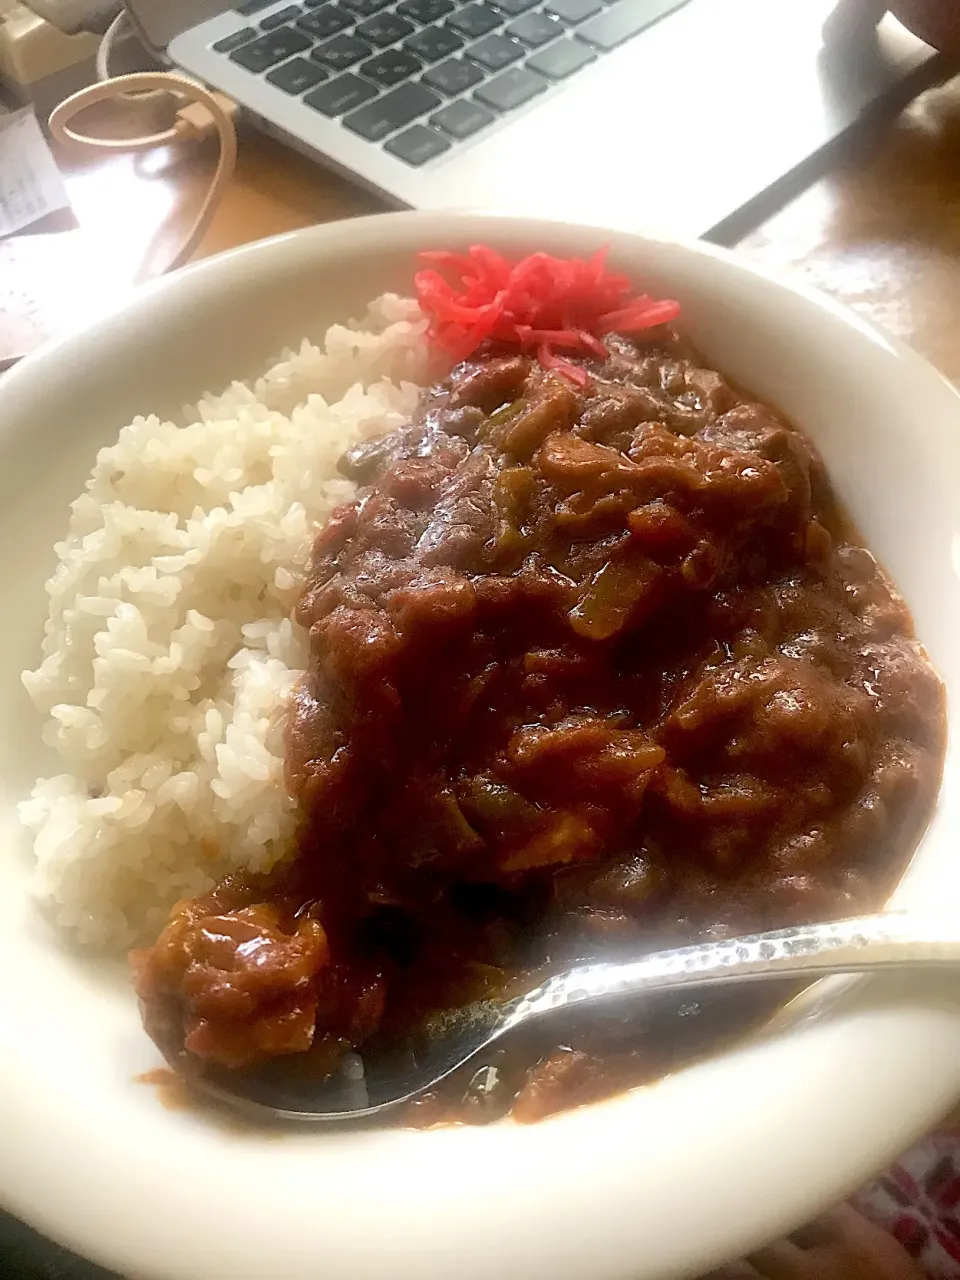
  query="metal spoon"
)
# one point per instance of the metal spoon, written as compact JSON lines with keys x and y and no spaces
{"x":890,"y":941}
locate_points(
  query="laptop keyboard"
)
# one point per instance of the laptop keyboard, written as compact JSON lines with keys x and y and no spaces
{"x":420,"y":76}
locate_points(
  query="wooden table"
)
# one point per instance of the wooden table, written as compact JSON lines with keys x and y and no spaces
{"x":881,"y":231}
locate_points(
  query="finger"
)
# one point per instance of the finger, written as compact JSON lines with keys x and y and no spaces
{"x":813,"y":1235}
{"x":935,"y":21}
{"x":879,"y":1251}
{"x":782,"y":1261}
{"x":734,"y":1271}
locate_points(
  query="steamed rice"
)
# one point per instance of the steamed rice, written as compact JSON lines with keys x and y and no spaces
{"x":169,"y":654}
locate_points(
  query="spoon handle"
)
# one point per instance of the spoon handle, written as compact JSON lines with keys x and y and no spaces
{"x":890,"y":941}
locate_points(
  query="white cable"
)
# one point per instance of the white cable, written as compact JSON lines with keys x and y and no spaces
{"x":153,"y":105}
{"x":107,"y":41}
{"x":200,"y":114}
{"x":194,"y":113}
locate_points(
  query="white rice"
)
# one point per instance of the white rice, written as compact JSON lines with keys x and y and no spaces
{"x":169,"y":654}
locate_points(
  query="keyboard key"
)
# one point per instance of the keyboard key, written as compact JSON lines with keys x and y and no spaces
{"x":297,"y":76}
{"x":271,"y":49}
{"x":392,"y":111}
{"x":434,"y":43}
{"x":342,"y":94}
{"x":252,"y":6}
{"x":475,"y":20}
{"x":453,"y":76}
{"x":513,"y":7}
{"x":535,"y":29}
{"x":326,"y":21}
{"x":385,"y":28}
{"x":561,"y":59}
{"x":573,"y":10}
{"x":461,"y":119}
{"x":280,"y":17}
{"x":390,"y":68}
{"x":496,"y":52}
{"x":342,"y":52}
{"x":234,"y":41}
{"x":366,"y":8}
{"x":425,"y":11}
{"x":624,"y":20}
{"x":511,"y":89}
{"x":417,"y":145}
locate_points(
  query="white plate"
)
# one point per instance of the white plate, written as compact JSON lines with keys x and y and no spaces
{"x":663,"y":1182}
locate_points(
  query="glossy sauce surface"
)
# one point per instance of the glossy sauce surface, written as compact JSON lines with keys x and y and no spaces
{"x":592,"y":672}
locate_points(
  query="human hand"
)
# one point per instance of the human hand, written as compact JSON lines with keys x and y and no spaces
{"x":935,"y":21}
{"x":842,"y":1245}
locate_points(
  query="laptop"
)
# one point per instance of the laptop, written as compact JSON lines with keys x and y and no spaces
{"x":658,"y":115}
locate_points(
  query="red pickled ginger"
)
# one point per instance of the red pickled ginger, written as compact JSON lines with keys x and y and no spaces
{"x":556,"y":307}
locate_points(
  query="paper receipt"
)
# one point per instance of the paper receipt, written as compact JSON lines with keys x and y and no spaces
{"x":30,"y":183}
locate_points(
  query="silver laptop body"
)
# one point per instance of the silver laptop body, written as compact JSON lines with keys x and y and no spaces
{"x":660,"y":115}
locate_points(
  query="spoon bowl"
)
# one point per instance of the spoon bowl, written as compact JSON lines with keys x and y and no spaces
{"x":380,"y":1082}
